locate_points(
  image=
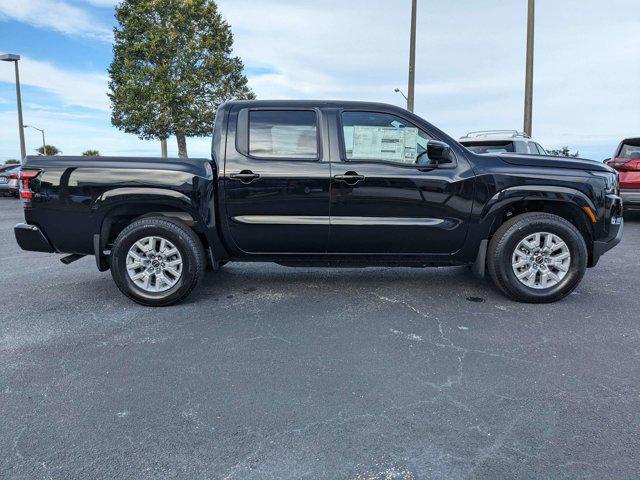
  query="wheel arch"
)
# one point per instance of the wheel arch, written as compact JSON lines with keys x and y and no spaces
{"x":568,"y":203}
{"x":117,"y":208}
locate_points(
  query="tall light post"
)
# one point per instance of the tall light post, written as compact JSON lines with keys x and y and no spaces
{"x":41,"y":130}
{"x":412,"y":57}
{"x":15,"y":58}
{"x":528,"y":83}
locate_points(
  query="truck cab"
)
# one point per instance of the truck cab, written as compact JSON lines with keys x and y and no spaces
{"x":341,"y":180}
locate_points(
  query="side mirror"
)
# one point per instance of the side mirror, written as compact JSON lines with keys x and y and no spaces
{"x":440,"y":153}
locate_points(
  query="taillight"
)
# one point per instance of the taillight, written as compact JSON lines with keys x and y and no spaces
{"x":26,"y":194}
{"x":625,"y":165}
{"x":13,"y":176}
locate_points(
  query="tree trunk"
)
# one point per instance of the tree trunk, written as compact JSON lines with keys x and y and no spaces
{"x":163,"y":148}
{"x":182,"y":145}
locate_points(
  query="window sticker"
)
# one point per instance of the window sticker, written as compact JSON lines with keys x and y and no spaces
{"x":385,"y":143}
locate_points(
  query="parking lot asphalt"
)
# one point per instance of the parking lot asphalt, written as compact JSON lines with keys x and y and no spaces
{"x":272,"y":372}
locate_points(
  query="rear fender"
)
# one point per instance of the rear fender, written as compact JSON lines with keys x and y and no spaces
{"x":140,"y":202}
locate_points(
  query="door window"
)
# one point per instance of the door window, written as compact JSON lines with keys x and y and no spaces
{"x":521,"y":146}
{"x":532,"y":148}
{"x":493,"y":146}
{"x":278,"y":134}
{"x":382,"y":137}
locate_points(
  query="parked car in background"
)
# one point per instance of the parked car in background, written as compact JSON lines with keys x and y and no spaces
{"x":626,"y":160}
{"x":9,"y":181}
{"x":501,"y":141}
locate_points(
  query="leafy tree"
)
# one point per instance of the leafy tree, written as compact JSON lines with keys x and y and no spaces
{"x":172,"y":68}
{"x":12,"y":162}
{"x":91,"y":153}
{"x":50,"y":150}
{"x":563,"y":152}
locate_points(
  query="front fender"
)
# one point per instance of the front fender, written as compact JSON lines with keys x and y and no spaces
{"x":508,"y":196}
{"x":485,"y":216}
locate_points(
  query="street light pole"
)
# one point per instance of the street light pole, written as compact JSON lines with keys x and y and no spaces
{"x":15,"y":58}
{"x":412,"y":57}
{"x":397,"y":90}
{"x":528,"y":83}
{"x":44,"y":143}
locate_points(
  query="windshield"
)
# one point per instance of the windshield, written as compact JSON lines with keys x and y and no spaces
{"x":490,"y":147}
{"x":630,"y":151}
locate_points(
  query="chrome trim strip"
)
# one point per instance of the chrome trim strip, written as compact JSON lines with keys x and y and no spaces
{"x":325,"y":220}
{"x":282,"y":220}
{"x":630,"y":195}
{"x":397,"y":221}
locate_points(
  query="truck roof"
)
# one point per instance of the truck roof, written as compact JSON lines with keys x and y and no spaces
{"x":315,"y":103}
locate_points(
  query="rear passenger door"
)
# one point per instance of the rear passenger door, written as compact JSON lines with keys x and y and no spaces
{"x":276,"y":181}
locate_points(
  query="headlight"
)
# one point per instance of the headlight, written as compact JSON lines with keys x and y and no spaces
{"x":611,"y":185}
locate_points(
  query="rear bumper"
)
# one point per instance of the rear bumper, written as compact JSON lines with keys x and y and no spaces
{"x":31,"y":238}
{"x":630,"y":197}
{"x":601,"y":247}
{"x":9,"y":188}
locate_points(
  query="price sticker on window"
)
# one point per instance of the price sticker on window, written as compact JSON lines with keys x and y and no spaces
{"x":385,"y":143}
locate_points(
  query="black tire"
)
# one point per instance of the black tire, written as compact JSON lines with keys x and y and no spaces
{"x":504,"y":242}
{"x":182,"y":237}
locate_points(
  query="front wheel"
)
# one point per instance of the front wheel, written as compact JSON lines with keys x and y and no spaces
{"x":157,"y":261}
{"x":537,"y":258}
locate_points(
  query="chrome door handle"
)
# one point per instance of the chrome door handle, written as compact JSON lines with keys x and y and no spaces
{"x":350,"y":178}
{"x":245,"y":176}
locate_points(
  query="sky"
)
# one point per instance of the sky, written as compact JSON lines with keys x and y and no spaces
{"x":470,"y":65}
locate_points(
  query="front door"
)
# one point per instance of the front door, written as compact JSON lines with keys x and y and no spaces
{"x":386,"y":195}
{"x":277,"y":182}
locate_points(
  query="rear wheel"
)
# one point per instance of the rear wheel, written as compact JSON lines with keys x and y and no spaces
{"x":537,"y":258}
{"x":157,"y":261}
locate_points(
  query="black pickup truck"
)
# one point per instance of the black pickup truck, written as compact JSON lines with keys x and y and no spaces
{"x":321,"y":183}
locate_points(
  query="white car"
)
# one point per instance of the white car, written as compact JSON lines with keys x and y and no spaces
{"x":501,"y":141}
{"x":9,"y":182}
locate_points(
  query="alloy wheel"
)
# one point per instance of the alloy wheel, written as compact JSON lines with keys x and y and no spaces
{"x":541,"y":260}
{"x":154,"y":264}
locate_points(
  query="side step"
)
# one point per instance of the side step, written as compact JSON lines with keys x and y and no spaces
{"x":71,"y":258}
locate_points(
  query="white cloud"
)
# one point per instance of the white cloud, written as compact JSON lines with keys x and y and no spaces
{"x":74,"y":134}
{"x":100,"y":3}
{"x":77,"y":88}
{"x":470,"y":61}
{"x":55,"y":15}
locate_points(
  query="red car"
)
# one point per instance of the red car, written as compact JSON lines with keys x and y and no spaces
{"x":627,"y":162}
